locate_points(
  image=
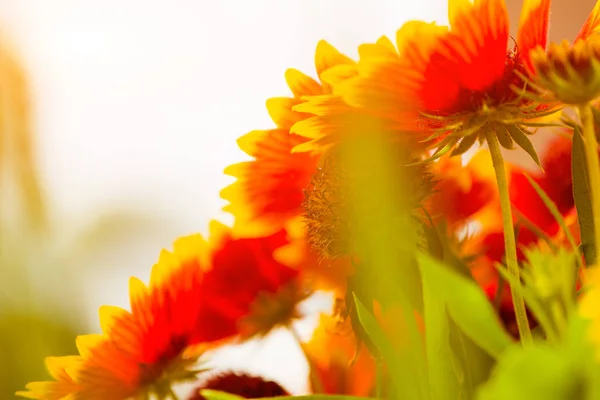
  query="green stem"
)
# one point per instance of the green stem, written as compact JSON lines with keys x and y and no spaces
{"x":315,"y":380}
{"x":593,"y":166}
{"x":509,"y":236}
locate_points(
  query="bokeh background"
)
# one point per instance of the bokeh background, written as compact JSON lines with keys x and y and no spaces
{"x":122,"y":119}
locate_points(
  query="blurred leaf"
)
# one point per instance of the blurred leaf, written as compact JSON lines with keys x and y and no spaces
{"x":534,"y":372}
{"x":114,"y":227}
{"x":443,"y":374}
{"x":214,"y":395}
{"x":474,"y":365}
{"x":26,"y":339}
{"x":467,"y":305}
{"x":407,"y":371}
{"x":551,"y":206}
{"x":382,"y":220}
{"x":564,"y":372}
{"x":16,"y":134}
{"x":582,"y":196}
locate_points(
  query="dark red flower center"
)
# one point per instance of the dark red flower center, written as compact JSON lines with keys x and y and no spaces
{"x":243,"y":385}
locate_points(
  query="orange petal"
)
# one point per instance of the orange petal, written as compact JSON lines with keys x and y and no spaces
{"x":121,"y":327}
{"x":301,"y":84}
{"x":477,"y":42}
{"x":591,"y":25}
{"x":382,"y":48}
{"x":334,"y":75}
{"x":533,"y":27}
{"x":327,"y":56}
{"x":270,"y":189}
{"x":280,"y":110}
{"x":139,"y":297}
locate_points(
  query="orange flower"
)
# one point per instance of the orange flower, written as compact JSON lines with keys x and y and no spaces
{"x":332,"y":351}
{"x":461,"y":191}
{"x":269,"y":190}
{"x":199,"y":294}
{"x":333,"y":120}
{"x":457,"y":81}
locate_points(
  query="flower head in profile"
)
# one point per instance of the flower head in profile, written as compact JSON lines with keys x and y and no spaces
{"x":571,"y":72}
{"x":459,"y":81}
{"x":268,"y":192}
{"x":200,"y":294}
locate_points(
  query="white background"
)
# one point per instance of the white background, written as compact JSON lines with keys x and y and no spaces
{"x":139,"y":102}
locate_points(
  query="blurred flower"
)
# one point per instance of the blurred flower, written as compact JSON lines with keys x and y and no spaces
{"x":268,"y":192}
{"x":243,"y":385}
{"x":342,"y":366}
{"x":202,"y":292}
{"x":571,"y":72}
{"x":458,"y":81}
{"x":461,"y":191}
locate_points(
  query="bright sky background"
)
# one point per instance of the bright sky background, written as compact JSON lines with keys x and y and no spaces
{"x":139,"y":102}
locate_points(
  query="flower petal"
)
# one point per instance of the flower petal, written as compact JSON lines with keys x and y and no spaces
{"x":327,"y":56}
{"x":591,"y":25}
{"x":301,"y":84}
{"x":533,"y":27}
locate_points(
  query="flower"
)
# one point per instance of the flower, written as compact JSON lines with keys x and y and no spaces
{"x":458,"y":82}
{"x":341,"y":366}
{"x":332,"y":197}
{"x":200,"y":294}
{"x":255,"y":292}
{"x":571,"y":72}
{"x":332,"y":120}
{"x":461,"y":191}
{"x":243,"y":385}
{"x":268,"y":192}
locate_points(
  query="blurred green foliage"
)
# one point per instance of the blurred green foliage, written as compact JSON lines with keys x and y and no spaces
{"x":26,"y":338}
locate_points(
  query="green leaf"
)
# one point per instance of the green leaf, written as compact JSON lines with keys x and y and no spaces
{"x":563,"y":371}
{"x":533,"y":372}
{"x":407,"y":371}
{"x":554,"y":211}
{"x":467,"y":305}
{"x":505,"y":139}
{"x":306,"y":397}
{"x":520,"y":137}
{"x":465,"y":144}
{"x":582,"y":196}
{"x":533,"y":303}
{"x":210,"y":394}
{"x":443,"y":368}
